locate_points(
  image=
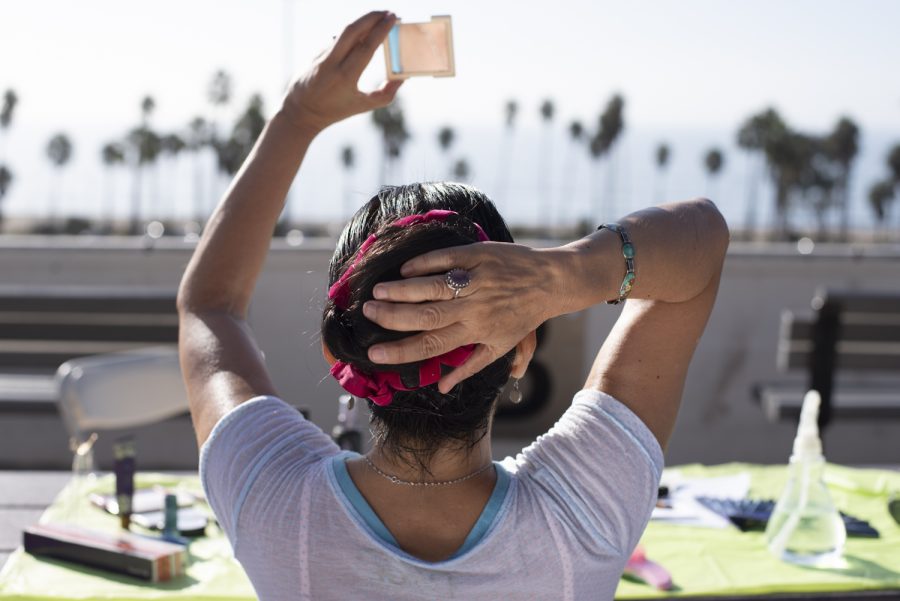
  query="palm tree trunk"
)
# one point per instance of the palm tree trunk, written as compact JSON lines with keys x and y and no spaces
{"x":154,"y":212}
{"x":196,"y":192}
{"x":595,"y":191}
{"x":106,"y":198}
{"x":171,"y":188}
{"x":782,"y":200}
{"x":134,"y":225}
{"x":503,"y":166}
{"x":611,"y":184}
{"x":844,"y":192}
{"x":348,"y":209}
{"x":568,"y":189}
{"x":545,"y":203}
{"x":53,"y":200}
{"x":385,"y":158}
{"x":753,"y":178}
{"x":213,"y":199}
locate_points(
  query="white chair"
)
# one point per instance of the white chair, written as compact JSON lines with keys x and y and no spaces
{"x":120,"y":390}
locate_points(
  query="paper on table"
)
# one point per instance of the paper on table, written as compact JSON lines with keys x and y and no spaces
{"x":685,"y":510}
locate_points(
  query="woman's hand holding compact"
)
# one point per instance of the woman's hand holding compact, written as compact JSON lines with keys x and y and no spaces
{"x":329,"y":91}
{"x":512,"y":290}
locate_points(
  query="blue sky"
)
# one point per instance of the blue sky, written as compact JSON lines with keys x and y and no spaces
{"x":691,"y":68}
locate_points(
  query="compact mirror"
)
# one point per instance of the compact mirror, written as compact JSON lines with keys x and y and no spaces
{"x":414,"y":49}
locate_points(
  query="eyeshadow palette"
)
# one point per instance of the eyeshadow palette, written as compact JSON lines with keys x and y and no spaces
{"x":753,"y":514}
{"x":416,"y":49}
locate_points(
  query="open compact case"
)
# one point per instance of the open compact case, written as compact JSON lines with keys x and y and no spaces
{"x":415,"y":49}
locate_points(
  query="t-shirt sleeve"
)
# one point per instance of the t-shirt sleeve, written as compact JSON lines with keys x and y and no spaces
{"x":596,"y":471}
{"x":247,"y":451}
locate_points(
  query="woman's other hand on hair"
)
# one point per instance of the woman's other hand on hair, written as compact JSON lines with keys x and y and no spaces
{"x":512,"y":290}
{"x":329,"y":91}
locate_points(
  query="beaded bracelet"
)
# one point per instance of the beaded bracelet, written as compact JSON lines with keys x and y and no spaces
{"x":628,"y":253}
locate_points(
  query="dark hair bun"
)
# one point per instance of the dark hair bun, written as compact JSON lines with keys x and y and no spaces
{"x":421,"y":420}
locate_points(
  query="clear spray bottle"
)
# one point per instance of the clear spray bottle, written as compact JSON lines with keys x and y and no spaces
{"x":805,"y":527}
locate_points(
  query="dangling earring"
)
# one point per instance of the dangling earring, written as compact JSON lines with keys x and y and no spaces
{"x":515,"y":395}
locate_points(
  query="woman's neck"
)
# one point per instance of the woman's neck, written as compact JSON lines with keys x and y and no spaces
{"x":447,"y":464}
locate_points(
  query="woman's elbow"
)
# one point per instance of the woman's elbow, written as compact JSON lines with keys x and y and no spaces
{"x":714,"y":230}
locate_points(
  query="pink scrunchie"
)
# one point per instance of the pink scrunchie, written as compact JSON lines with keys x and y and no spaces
{"x":379,"y":386}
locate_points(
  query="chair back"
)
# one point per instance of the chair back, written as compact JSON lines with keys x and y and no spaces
{"x":120,"y":390}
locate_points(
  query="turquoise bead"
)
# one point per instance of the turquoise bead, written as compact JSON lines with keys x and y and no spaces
{"x":629,"y":277}
{"x":628,"y":251}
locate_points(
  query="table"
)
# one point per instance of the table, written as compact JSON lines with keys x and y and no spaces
{"x":727,"y":564}
{"x":24,"y":495}
{"x":212,"y":573}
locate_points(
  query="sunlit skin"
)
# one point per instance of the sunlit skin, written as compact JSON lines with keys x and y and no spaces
{"x":643,"y":361}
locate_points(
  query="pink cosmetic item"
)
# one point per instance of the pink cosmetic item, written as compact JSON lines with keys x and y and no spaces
{"x":652,"y":573}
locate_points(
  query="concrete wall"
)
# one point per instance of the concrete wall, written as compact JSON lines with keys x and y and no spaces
{"x":719,"y":420}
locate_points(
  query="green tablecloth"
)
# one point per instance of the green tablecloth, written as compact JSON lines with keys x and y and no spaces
{"x":702,"y":561}
{"x":213,"y":573}
{"x":706,"y":561}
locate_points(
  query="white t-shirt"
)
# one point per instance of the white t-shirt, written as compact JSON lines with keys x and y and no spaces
{"x":564,"y":516}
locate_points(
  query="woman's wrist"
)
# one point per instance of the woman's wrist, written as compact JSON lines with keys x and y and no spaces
{"x":591,"y":270}
{"x":302,"y":123}
{"x":576,"y":276}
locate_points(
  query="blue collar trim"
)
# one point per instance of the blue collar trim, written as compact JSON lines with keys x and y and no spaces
{"x":374,"y":523}
{"x":359,"y":502}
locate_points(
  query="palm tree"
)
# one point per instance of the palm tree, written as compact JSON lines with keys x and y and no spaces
{"x":6,"y":179}
{"x":172,"y":145}
{"x":610,"y":126}
{"x":59,"y":151}
{"x":766,"y":135}
{"x":547,"y":110}
{"x":232,"y":153}
{"x":219,"y":92}
{"x":893,"y":163}
{"x":113,"y":155}
{"x":220,"y":88}
{"x":881,"y":196}
{"x":197,"y":140}
{"x":143,"y":149}
{"x":446,"y":137}
{"x":392,"y":125}
{"x":576,"y":138}
{"x":576,"y":132}
{"x":348,"y":160}
{"x":713,"y":160}
{"x":842,"y":146}
{"x":510,"y":111}
{"x":810,"y":175}
{"x":663,"y":153}
{"x":461,"y":170}
{"x":10,"y":99}
{"x":148,"y":105}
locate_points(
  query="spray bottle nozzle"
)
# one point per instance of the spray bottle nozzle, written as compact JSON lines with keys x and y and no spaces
{"x":807,"y":443}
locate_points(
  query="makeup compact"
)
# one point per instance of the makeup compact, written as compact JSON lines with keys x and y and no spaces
{"x":415,"y":49}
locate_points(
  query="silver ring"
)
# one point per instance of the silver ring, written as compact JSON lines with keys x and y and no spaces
{"x":457,"y":279}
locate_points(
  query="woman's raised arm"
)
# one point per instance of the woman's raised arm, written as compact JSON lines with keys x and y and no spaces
{"x":221,"y":364}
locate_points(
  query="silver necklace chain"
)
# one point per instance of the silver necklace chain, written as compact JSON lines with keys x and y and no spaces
{"x":396,"y":480}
